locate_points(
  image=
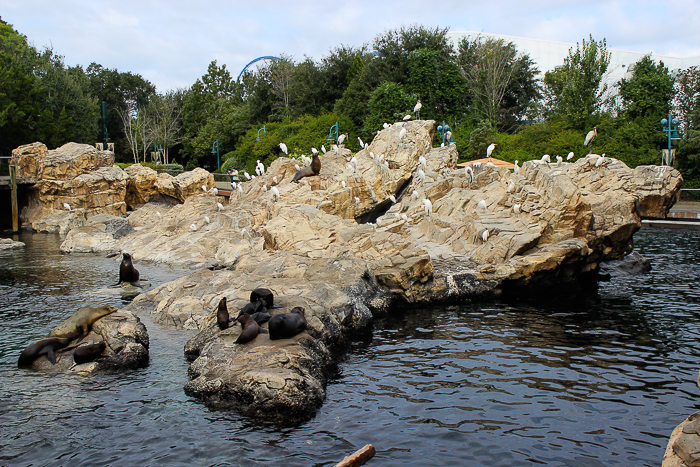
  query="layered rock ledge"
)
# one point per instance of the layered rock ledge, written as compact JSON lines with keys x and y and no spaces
{"x":349,"y":243}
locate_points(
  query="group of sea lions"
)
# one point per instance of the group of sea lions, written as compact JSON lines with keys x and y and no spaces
{"x":75,"y":327}
{"x":255,"y":313}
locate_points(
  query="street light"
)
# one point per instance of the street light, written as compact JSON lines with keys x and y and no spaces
{"x":442,"y":129}
{"x":671,"y":128}
{"x":333,"y":133}
{"x":215,"y":149}
{"x":257,"y":138}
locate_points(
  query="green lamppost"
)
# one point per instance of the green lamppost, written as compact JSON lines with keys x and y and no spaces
{"x":257,"y":138}
{"x":333,"y":133}
{"x":215,"y":149}
{"x":670,"y":127}
{"x":443,"y":129}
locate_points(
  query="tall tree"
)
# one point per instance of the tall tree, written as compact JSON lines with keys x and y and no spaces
{"x":648,"y":92}
{"x":436,"y":79}
{"x":573,"y":90}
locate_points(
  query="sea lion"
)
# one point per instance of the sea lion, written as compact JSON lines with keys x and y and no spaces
{"x":287,"y":325}
{"x":88,"y":352}
{"x":264,"y":294}
{"x":82,"y":320}
{"x":47,"y":346}
{"x":310,"y":171}
{"x":127,"y":272}
{"x":222,"y":316}
{"x":262,"y":316}
{"x":250,"y":331}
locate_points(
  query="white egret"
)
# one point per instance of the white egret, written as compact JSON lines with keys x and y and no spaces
{"x":420,"y":176}
{"x":546,"y":159}
{"x":448,"y":136}
{"x":599,"y":162}
{"x":246,"y":175}
{"x":414,"y":195}
{"x":323,"y":149}
{"x":341,"y":138}
{"x":193,"y":227}
{"x":404,"y":217}
{"x":274,"y":179}
{"x":353,"y":161}
{"x":296,"y":166}
{"x":490,"y":149}
{"x":275,"y":192}
{"x":204,"y":188}
{"x":511,"y":187}
{"x":516,"y":169}
{"x":67,"y":206}
{"x":427,"y":206}
{"x":485,"y":235}
{"x":159,"y":214}
{"x":207,"y":220}
{"x":264,"y":187}
{"x":220,"y":206}
{"x":357,"y":200}
{"x":283,"y":147}
{"x":342,"y":182}
{"x":406,"y":117}
{"x":482,"y":204}
{"x":386,"y":125}
{"x":362,"y":145}
{"x":469,"y":173}
{"x":240,"y":188}
{"x":402,"y":133}
{"x":422,"y":161}
{"x":516,"y":208}
{"x":589,"y":138}
{"x":559,"y":160}
{"x":570,"y":156}
{"x":393,"y":199}
{"x":416,"y":109}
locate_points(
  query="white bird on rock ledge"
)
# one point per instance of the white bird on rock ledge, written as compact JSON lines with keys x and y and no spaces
{"x":485,"y":235}
{"x":67,"y":206}
{"x":427,"y":206}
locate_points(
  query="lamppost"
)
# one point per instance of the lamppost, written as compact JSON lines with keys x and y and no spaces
{"x":670,"y":126}
{"x":333,"y":133}
{"x":257,"y":138}
{"x":443,"y":129}
{"x":215,"y":149}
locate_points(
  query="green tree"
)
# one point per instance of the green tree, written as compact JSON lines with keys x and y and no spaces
{"x":436,"y":78}
{"x":574,"y":90}
{"x":388,"y":103}
{"x":648,"y":92}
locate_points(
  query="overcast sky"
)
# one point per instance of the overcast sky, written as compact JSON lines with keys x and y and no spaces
{"x":170,"y":43}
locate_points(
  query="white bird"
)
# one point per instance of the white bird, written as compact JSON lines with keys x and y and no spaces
{"x":274,"y":179}
{"x":252,"y":177}
{"x":422,"y":161}
{"x":485,"y":235}
{"x":296,"y":166}
{"x":244,"y":232}
{"x":404,"y":217}
{"x":379,"y":222}
{"x":207,"y":220}
{"x":204,"y":188}
{"x":283,"y":147}
{"x":380,"y":158}
{"x":353,"y":161}
{"x":159,"y":214}
{"x":599,"y":162}
{"x":516,"y":208}
{"x":357,"y":200}
{"x":559,"y":160}
{"x":416,"y":109}
{"x":67,"y":206}
{"x":257,"y":170}
{"x":490,"y":164}
{"x":341,"y":138}
{"x":240,"y":188}
{"x":570,"y":156}
{"x":214,"y":191}
{"x":482,"y":204}
{"x":406,"y":117}
{"x":516,"y":169}
{"x":386,"y":125}
{"x":511,"y":187}
{"x":220,"y":206}
{"x":262,"y":168}
{"x":420,"y":176}
{"x":402,"y":133}
{"x":246,"y":175}
{"x":193,"y":227}
{"x":362,"y":145}
{"x":546,"y":159}
{"x":342,"y":183}
{"x":427,"y":206}
{"x":393,"y":199}
{"x":275,"y":192}
{"x":490,"y":149}
{"x":314,"y":151}
{"x":386,"y":163}
{"x":323,"y":149}
{"x":371,"y":154}
{"x":448,"y":136}
{"x":414,"y":195}
{"x":468,"y":172}
{"x":264,"y":187}
{"x":334,"y":148}
{"x":590,"y":137}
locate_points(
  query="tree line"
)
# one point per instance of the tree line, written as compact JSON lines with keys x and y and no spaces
{"x":484,"y":89}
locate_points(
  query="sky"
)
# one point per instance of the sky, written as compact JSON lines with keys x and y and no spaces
{"x":171,"y":43}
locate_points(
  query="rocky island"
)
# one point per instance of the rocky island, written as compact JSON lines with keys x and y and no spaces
{"x":396,"y":223}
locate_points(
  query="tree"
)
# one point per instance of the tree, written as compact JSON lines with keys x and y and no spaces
{"x":437,"y":80}
{"x":687,"y":95}
{"x":166,"y":125}
{"x":648,"y":92}
{"x":388,"y":103}
{"x":573,"y":90}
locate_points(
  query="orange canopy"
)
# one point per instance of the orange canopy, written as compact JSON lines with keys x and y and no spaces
{"x":496,"y":162}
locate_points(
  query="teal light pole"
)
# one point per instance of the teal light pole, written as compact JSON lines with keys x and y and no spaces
{"x":215,"y":148}
{"x":442,"y":129}
{"x":257,"y":138}
{"x":670,"y":127}
{"x":333,"y":133}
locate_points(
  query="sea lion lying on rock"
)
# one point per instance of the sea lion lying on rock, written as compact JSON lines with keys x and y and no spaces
{"x":88,"y":352}
{"x":310,"y":171}
{"x":250,"y":331}
{"x":82,"y":320}
{"x":287,"y":325}
{"x":47,"y":346}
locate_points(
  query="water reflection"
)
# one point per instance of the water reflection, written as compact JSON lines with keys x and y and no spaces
{"x":593,"y":379}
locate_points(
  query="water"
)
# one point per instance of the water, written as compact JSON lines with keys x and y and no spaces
{"x":591,"y":380}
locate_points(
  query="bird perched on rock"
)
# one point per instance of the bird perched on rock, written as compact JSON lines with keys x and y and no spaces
{"x":511,"y":187}
{"x":357,"y":200}
{"x":420,"y":176}
{"x":393,"y":199}
{"x":342,"y":183}
{"x":589,"y":139}
{"x":193,"y":227}
{"x":427,"y":206}
{"x":414,"y":195}
{"x":386,"y":125}
{"x":207,"y":220}
{"x":275,"y":192}
{"x":448,"y":136}
{"x":516,"y":208}
{"x":559,"y":160}
{"x":485,"y":235}
{"x":482,"y":204}
{"x":417,"y":107}
{"x":283,"y":147}
{"x":296,"y":166}
{"x":220,"y":206}
{"x":422,"y":161}
{"x":214,"y":191}
{"x":264,"y":187}
{"x":323,"y":149}
{"x":362,"y":145}
{"x":570,"y":156}
{"x":406,"y":117}
{"x":247,"y":175}
{"x":516,"y":169}
{"x":159,"y":214}
{"x":599,"y":162}
{"x":204,"y":188}
{"x":67,"y":206}
{"x":353,"y":161}
{"x":274,"y":179}
{"x":341,"y":138}
{"x":468,"y":172}
{"x":402,"y":133}
{"x":546,"y":159}
{"x":490,"y":149}
{"x":404,"y":217}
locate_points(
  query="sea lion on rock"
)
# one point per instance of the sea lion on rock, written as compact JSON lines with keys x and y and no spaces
{"x":262,"y":316}
{"x":250,"y":331}
{"x":310,"y":171}
{"x":287,"y":325}
{"x":222,"y":316}
{"x":82,"y":320}
{"x":47,"y":346}
{"x":127,"y":272}
{"x":88,"y":352}
{"x":264,"y":294}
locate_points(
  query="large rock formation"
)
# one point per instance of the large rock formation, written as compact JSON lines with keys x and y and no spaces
{"x":350,"y":241}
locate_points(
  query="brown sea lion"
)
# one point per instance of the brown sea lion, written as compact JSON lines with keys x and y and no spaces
{"x":222,"y":316}
{"x":250,"y":329}
{"x":127,"y":272}
{"x":88,"y":352}
{"x":82,"y":320}
{"x":310,"y":171}
{"x":263,"y":294}
{"x":47,"y":346}
{"x":287,"y":325}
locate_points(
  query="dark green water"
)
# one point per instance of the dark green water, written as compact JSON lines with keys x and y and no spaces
{"x":595,"y":379}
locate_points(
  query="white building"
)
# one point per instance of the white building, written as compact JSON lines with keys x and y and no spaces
{"x":550,"y":54}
